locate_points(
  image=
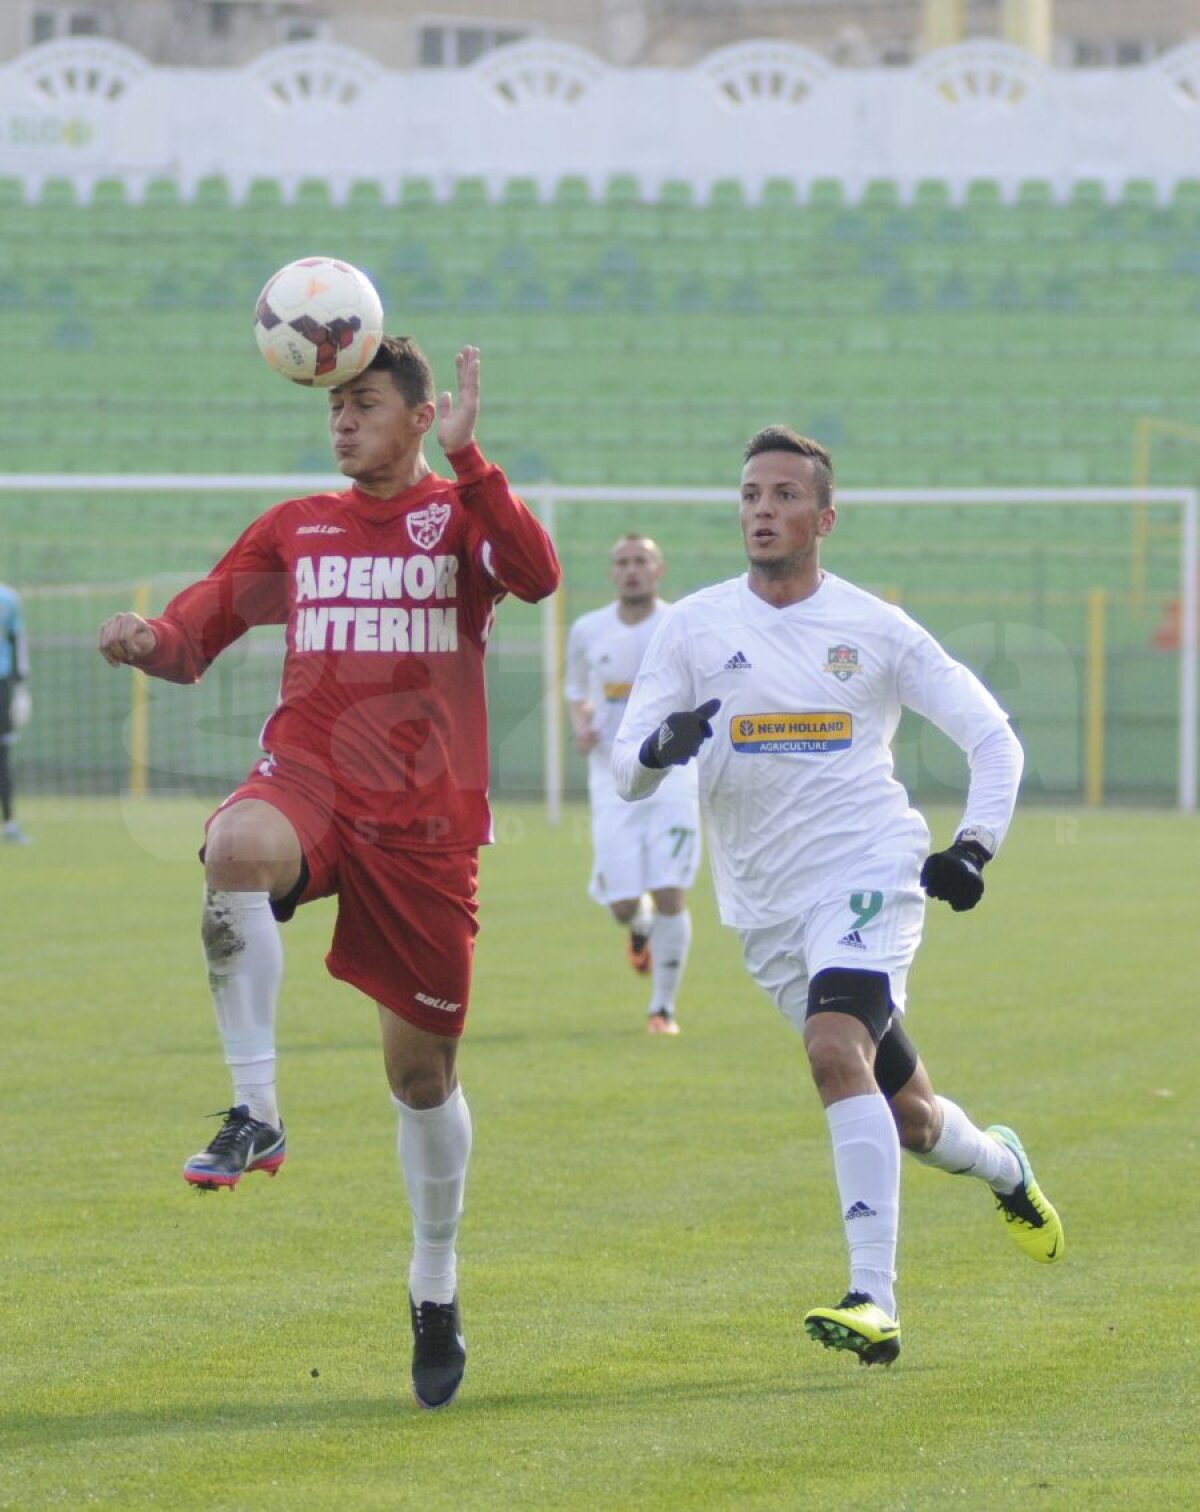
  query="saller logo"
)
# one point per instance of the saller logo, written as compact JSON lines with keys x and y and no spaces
{"x":443,"y":1004}
{"x":425,"y":526}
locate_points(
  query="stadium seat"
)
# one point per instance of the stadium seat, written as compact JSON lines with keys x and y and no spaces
{"x":416,"y":191}
{"x":365,"y":197}
{"x":622,"y":189}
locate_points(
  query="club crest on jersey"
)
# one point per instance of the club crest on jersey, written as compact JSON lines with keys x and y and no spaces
{"x":842,"y":662}
{"x":425,"y":526}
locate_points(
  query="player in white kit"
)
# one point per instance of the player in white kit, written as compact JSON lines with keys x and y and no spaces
{"x":644,"y":857}
{"x":786,"y":685}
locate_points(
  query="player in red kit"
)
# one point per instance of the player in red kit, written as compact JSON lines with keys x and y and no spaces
{"x":373,"y":785}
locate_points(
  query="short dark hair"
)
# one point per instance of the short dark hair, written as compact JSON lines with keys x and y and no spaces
{"x":409,"y":368}
{"x":784,"y":438}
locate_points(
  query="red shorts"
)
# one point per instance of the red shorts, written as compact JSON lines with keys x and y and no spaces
{"x":406,"y":919}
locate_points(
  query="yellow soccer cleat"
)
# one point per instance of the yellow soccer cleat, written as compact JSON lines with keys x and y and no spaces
{"x":856,"y":1324}
{"x":1031,"y":1220}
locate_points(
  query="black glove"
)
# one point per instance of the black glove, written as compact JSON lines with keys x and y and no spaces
{"x":679,"y":737}
{"x":954,"y":875}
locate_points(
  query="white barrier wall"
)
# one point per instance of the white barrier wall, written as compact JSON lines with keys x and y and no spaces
{"x":86,"y":109}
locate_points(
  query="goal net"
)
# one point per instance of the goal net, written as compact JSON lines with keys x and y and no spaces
{"x":1076,"y":606}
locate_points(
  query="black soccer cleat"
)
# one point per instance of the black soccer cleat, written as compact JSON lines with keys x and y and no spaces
{"x":242,"y":1144}
{"x":439,"y":1353}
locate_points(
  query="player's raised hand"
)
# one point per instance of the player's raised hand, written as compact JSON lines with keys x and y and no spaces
{"x":679,"y":737}
{"x":955,"y":875}
{"x":456,"y":416}
{"x":126,"y":639}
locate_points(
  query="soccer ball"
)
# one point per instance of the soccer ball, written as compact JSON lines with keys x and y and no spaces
{"x":318,"y":321}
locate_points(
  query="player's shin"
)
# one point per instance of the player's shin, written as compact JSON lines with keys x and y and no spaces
{"x":434,"y":1147}
{"x":244,"y":955}
{"x":866,"y":1158}
{"x":672,"y":941}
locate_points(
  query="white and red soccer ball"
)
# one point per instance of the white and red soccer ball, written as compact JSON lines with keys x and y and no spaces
{"x":318,"y":321}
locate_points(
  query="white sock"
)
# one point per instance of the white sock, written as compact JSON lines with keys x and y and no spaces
{"x":672,"y":940}
{"x":866,"y":1160}
{"x":964,"y":1150}
{"x":245,"y":968}
{"x":434,"y":1146}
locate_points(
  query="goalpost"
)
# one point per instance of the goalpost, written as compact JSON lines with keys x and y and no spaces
{"x":548,"y":498}
{"x":584,"y":539}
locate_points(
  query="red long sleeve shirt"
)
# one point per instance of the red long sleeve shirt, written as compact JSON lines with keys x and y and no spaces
{"x":387,"y":604}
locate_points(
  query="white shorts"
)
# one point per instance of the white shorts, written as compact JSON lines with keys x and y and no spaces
{"x":872,"y":921}
{"x":641,"y":847}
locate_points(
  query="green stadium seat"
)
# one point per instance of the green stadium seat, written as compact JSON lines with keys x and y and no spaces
{"x":572,"y":191}
{"x":880,"y":195}
{"x":727,"y":195}
{"x":212,"y":193}
{"x":1088,"y":194}
{"x":410,"y":257}
{"x":521,"y":192}
{"x":619,"y":260}
{"x":778,"y":194}
{"x":263,"y":194}
{"x":531,"y":294}
{"x":692,"y":296}
{"x":1185,"y":195}
{"x":313,"y":194}
{"x":365,"y":196}
{"x":480,"y":293}
{"x":416,"y":191}
{"x":109,"y":193}
{"x":900,"y":295}
{"x":1139,"y":194}
{"x":57,"y":194}
{"x":931,"y":195}
{"x":428,"y":293}
{"x":1035,"y":194}
{"x":622,"y":189}
{"x":585,"y":292}
{"x":983,"y":194}
{"x":74,"y":334}
{"x":161,"y":193}
{"x":675,"y":194}
{"x":469,"y":193}
{"x":826,"y":194}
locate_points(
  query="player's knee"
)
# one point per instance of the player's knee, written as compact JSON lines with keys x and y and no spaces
{"x":422,"y":1086}
{"x":669,"y":900}
{"x":917,"y":1119}
{"x":624,"y":910}
{"x":251,"y":848}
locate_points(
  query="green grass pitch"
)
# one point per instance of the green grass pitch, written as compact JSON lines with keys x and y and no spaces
{"x":647,"y":1219}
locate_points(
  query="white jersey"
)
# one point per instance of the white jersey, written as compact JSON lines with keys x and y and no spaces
{"x":603,"y":657}
{"x":797,"y":785}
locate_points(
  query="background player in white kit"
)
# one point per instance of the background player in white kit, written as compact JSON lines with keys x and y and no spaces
{"x":644,"y":858}
{"x":817,"y":854}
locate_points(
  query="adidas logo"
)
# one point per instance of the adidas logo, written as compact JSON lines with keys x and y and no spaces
{"x":859,"y":1210}
{"x":853,"y":938}
{"x":737,"y":663}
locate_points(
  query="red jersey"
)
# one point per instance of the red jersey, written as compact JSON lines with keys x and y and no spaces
{"x":388,"y":604}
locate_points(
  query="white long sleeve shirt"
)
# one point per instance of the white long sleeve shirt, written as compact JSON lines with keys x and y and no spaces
{"x":603,"y":657}
{"x":797,"y":785}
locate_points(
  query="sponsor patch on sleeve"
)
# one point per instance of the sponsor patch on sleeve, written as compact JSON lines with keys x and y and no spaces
{"x":791,"y":734}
